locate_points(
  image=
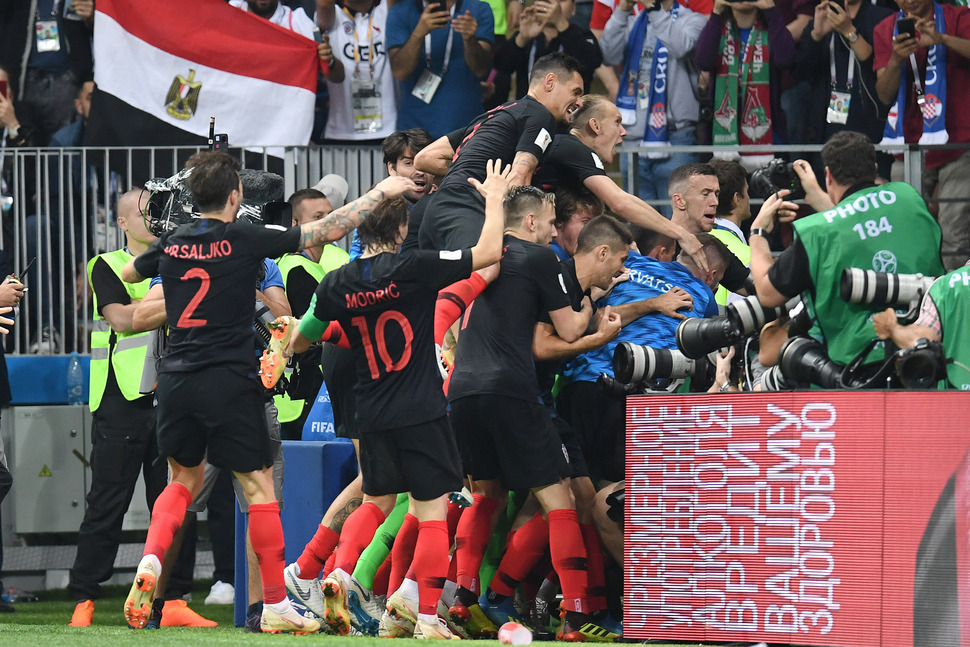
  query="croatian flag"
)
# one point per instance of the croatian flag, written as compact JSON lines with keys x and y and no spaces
{"x":163,"y":67}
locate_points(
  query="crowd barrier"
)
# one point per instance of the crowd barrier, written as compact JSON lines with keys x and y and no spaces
{"x":807,"y":518}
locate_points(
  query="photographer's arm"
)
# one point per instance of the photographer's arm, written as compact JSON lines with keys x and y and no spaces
{"x":344,"y":220}
{"x":888,"y":327}
{"x":326,"y":14}
{"x":547,"y":345}
{"x":761,"y":260}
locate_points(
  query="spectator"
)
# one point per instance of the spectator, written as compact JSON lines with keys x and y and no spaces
{"x":942,"y":37}
{"x":733,"y":208}
{"x":71,"y":134}
{"x":835,"y":56}
{"x":295,"y":20}
{"x":544,"y":27}
{"x":46,"y":49}
{"x":884,"y":227}
{"x":363,"y":94}
{"x":439,"y":53}
{"x":656,"y":94}
{"x":943,"y":317}
{"x":747,"y":92}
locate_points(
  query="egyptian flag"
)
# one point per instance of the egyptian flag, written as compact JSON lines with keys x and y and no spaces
{"x":163,"y":67}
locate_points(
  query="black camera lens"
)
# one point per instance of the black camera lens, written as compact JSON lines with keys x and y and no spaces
{"x":698,"y":337}
{"x":922,"y":366}
{"x":803,"y":361}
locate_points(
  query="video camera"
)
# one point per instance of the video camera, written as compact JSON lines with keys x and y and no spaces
{"x":774,"y":176}
{"x":170,"y":203}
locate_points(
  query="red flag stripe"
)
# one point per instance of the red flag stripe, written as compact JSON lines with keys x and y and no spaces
{"x":215,"y":34}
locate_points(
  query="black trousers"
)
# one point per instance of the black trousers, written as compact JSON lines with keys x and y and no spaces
{"x":123,"y":447}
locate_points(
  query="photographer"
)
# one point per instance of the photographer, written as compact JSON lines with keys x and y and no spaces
{"x":944,"y":308}
{"x":887,"y":228}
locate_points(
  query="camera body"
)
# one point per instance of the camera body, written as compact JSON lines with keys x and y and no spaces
{"x":774,"y":176}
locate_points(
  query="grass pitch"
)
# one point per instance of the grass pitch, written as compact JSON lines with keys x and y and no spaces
{"x":45,"y":623}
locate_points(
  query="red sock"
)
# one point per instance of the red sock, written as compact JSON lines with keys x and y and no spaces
{"x":431,"y":564}
{"x":168,"y":512}
{"x":317,"y":552}
{"x":596,"y":593}
{"x":403,"y":551}
{"x":471,"y":538}
{"x":328,"y":567}
{"x":335,"y":335}
{"x":568,"y":558}
{"x":266,"y":536}
{"x":453,"y":569}
{"x":528,"y":545}
{"x":453,"y":300}
{"x":382,"y":576}
{"x":454,"y":514}
{"x":358,"y":531}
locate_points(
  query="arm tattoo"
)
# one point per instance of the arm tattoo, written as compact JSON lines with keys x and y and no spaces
{"x":341,"y":222}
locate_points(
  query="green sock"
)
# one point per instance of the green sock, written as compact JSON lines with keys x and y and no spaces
{"x":380,"y":547}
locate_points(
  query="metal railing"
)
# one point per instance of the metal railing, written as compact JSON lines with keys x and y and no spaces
{"x":60,"y":206}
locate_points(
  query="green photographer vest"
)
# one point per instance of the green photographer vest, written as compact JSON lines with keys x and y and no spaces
{"x":125,"y":351}
{"x":331,"y":258}
{"x":951,"y":294}
{"x":884,"y":228}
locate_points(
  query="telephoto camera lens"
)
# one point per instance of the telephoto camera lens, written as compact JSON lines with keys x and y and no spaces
{"x":635,"y":363}
{"x":773,"y":380}
{"x":748,"y":315}
{"x":803,"y":361}
{"x":894,"y":290}
{"x":697,"y":337}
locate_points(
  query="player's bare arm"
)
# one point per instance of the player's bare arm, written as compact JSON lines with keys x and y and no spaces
{"x":523,"y":166}
{"x":344,"y":220}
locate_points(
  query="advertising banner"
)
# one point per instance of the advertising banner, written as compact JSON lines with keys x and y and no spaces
{"x":811,"y":518}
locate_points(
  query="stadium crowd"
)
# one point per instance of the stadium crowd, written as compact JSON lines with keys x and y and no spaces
{"x":472,"y":339}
